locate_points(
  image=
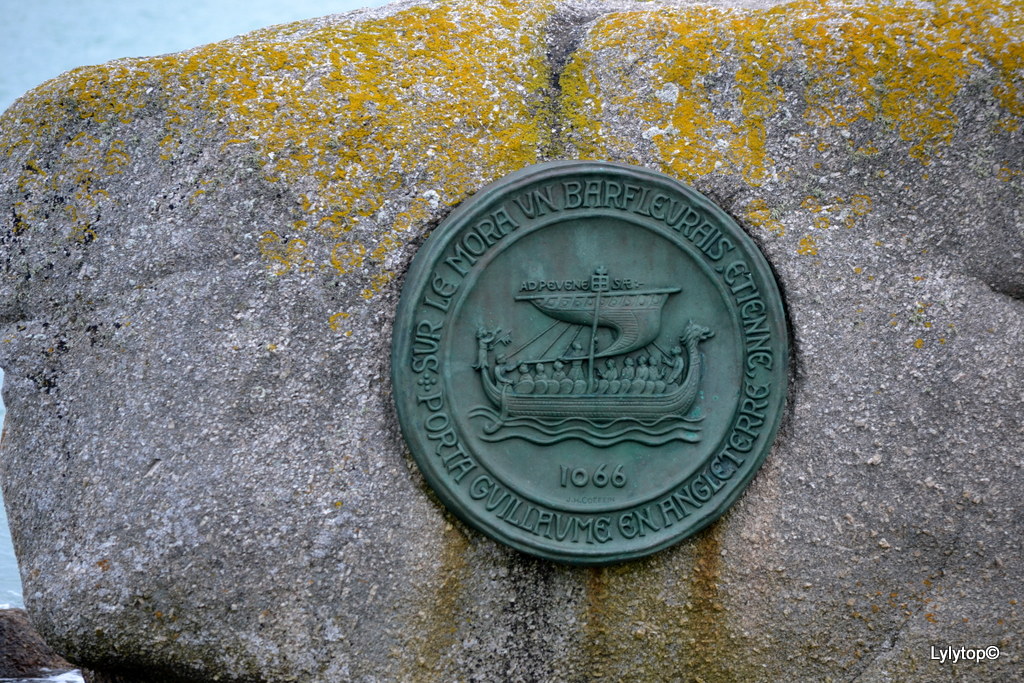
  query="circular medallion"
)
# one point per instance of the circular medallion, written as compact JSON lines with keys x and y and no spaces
{"x":589,"y":361}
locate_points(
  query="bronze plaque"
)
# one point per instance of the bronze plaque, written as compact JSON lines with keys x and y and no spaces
{"x":589,"y":361}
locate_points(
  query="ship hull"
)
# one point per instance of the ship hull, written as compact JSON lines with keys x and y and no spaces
{"x":590,"y":406}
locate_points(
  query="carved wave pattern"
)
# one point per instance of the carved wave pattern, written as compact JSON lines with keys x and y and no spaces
{"x":545,"y":432}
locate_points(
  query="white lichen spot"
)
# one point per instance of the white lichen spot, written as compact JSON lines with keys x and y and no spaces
{"x":433,"y":198}
{"x":669,"y":93}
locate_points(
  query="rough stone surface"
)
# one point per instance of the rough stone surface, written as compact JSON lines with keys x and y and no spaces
{"x":23,"y":653}
{"x":201,"y":257}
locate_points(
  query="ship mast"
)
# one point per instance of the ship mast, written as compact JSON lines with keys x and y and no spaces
{"x":598,"y":284}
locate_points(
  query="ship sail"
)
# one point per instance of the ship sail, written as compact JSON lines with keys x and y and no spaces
{"x":634,"y":316}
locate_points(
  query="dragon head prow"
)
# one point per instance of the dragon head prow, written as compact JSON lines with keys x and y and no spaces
{"x":695,"y":332}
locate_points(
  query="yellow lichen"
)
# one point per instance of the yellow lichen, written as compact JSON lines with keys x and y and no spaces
{"x":1006,"y":174}
{"x":808,"y":246}
{"x":837,"y":210}
{"x":370,"y":126}
{"x":377,"y":283}
{"x":334,"y":322}
{"x":812,"y":204}
{"x":692,"y":137}
{"x":350,"y":115}
{"x":284,"y":254}
{"x":706,"y":77}
{"x":760,"y":215}
{"x":861,"y":204}
{"x":347,"y":256}
{"x":900,"y":64}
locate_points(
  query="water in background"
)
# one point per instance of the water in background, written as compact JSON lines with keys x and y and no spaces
{"x":10,"y":582}
{"x":44,"y":38}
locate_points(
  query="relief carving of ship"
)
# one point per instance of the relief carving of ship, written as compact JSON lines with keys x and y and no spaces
{"x":643,"y":388}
